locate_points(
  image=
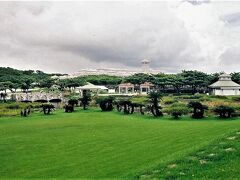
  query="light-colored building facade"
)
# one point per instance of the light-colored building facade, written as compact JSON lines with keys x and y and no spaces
{"x":225,"y":86}
{"x":146,"y":88}
{"x":145,"y":68}
{"x":126,"y":88}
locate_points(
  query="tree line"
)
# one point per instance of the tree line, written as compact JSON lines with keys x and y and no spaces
{"x":185,"y":82}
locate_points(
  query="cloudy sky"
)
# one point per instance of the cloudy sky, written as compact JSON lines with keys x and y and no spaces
{"x":68,"y":36}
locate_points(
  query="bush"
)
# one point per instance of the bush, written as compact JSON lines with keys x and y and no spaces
{"x":198,"y":109}
{"x":105,"y":103}
{"x":224,"y":111}
{"x":219,"y":97}
{"x":126,"y":105}
{"x":85,"y":100}
{"x":205,"y":98}
{"x":169,"y":100}
{"x":177,"y":109}
{"x":236,"y":98}
{"x":13,"y":106}
{"x":69,"y":108}
{"x":154,"y":100}
{"x":47,"y":108}
{"x":26,"y":112}
{"x":73,"y":102}
{"x":139,"y":99}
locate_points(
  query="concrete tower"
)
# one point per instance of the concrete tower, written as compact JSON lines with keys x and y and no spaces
{"x":145,"y":66}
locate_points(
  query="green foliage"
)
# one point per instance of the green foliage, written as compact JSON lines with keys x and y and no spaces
{"x":103,"y":79}
{"x":20,"y":79}
{"x":235,"y":98}
{"x":169,"y":100}
{"x":184,"y":82}
{"x":125,"y":105}
{"x":218,"y":97}
{"x":47,"y":108}
{"x":69,"y":108}
{"x":14,"y":108}
{"x":198,"y":109}
{"x":71,"y":104}
{"x":236,"y":77}
{"x":195,"y":79}
{"x":220,"y":159}
{"x":154,"y":99}
{"x":140,"y":99}
{"x":139,"y":78}
{"x":46,"y":83}
{"x":105,"y":102}
{"x":177,"y":109}
{"x":73,"y":146}
{"x":3,"y":97}
{"x":70,"y":83}
{"x":224,"y":111}
{"x":85,"y":100}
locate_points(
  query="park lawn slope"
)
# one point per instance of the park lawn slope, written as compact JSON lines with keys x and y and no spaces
{"x":94,"y":144}
{"x":219,"y":160}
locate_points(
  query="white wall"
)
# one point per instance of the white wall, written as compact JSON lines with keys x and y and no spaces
{"x":226,"y":92}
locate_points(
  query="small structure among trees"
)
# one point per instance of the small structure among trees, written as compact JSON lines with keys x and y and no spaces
{"x":225,"y":86}
{"x":126,"y":88}
{"x":89,"y":87}
{"x":146,"y":88}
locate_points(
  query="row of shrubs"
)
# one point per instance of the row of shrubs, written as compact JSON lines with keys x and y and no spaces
{"x":204,"y":97}
{"x":127,"y":105}
{"x":176,"y":109}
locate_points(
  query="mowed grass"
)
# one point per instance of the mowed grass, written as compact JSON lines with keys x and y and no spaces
{"x":95,"y":144}
{"x":219,"y":160}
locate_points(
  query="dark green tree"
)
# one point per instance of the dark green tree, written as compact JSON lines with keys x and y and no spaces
{"x":154,"y":100}
{"x":198,"y":109}
{"x":224,"y":111}
{"x":236,"y":77}
{"x":46,"y":83}
{"x":47,"y":108}
{"x":85,"y":100}
{"x":195,"y":80}
{"x":139,"y":78}
{"x":105,"y":103}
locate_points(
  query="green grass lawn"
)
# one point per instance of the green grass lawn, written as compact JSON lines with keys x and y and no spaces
{"x":219,"y":160}
{"x":94,"y":144}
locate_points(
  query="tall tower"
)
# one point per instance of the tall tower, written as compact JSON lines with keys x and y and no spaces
{"x":145,"y":66}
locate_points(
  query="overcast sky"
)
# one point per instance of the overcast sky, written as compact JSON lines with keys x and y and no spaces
{"x":68,"y":36}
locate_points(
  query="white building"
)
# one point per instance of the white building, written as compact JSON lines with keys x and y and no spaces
{"x":91,"y":88}
{"x":225,"y":86}
{"x":145,"y":68}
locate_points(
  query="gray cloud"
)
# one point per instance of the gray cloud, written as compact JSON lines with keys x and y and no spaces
{"x":198,"y":2}
{"x":68,"y":36}
{"x":232,"y":19}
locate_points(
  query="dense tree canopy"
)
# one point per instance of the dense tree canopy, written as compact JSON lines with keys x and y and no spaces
{"x":184,"y":82}
{"x":139,"y":78}
{"x":103,"y":80}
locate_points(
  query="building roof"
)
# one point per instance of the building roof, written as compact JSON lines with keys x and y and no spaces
{"x":224,"y":81}
{"x":126,"y":84}
{"x":225,"y":75}
{"x":147,"y":84}
{"x":90,"y":86}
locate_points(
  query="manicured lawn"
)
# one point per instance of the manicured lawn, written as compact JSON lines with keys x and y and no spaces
{"x":219,"y":160}
{"x":94,"y":144}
